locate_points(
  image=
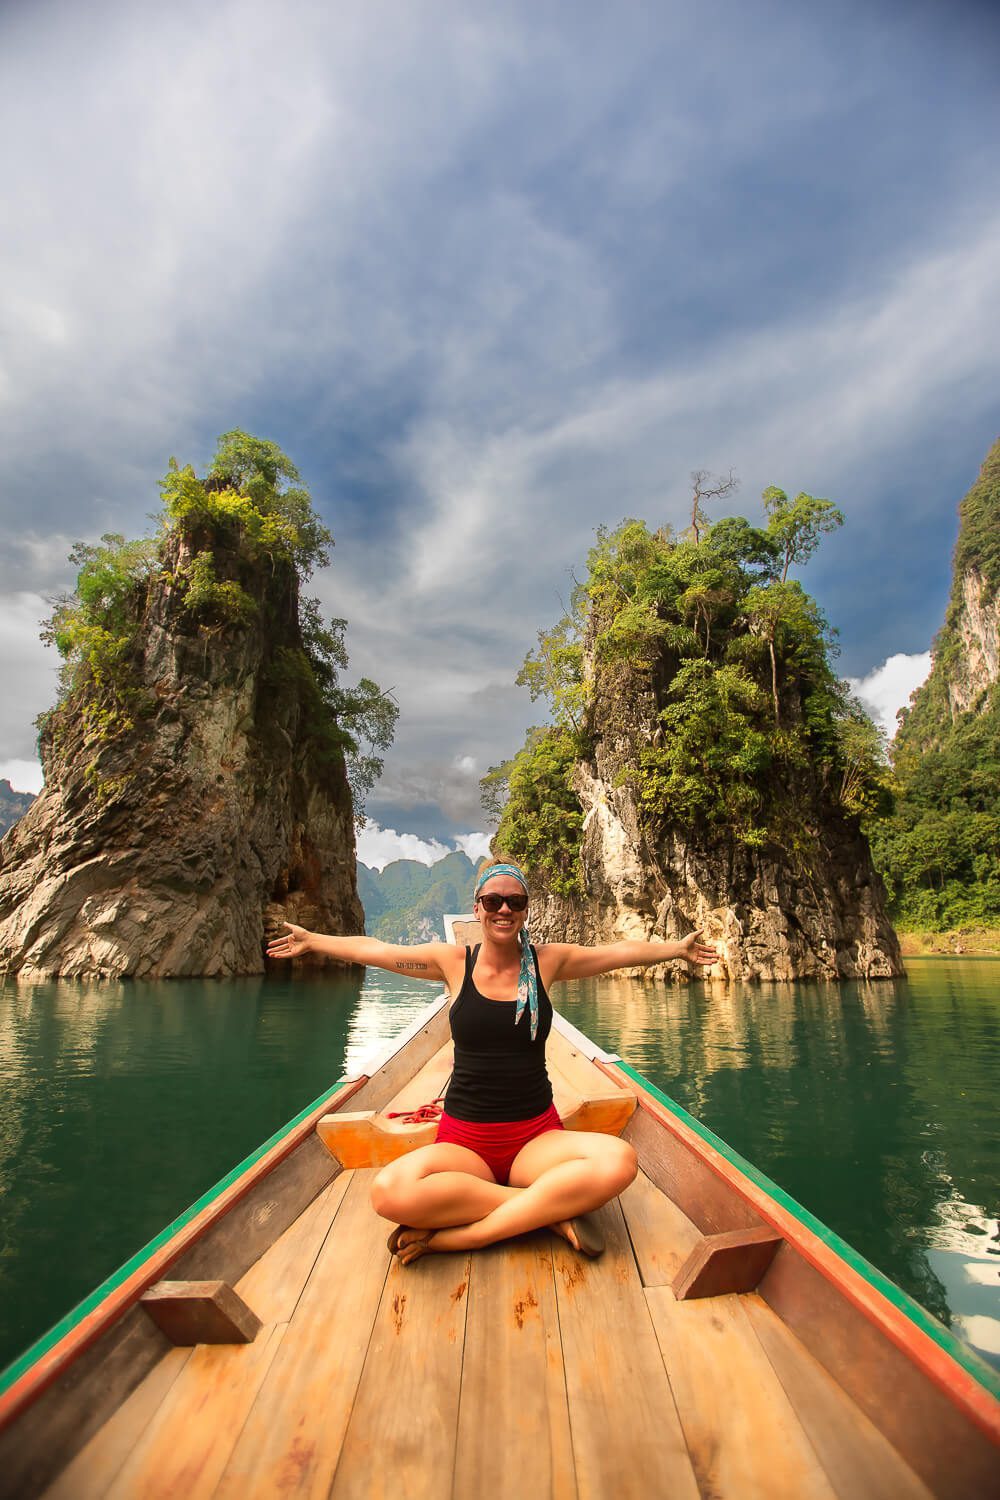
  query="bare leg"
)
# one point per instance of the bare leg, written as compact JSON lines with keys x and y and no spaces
{"x":555,"y":1177}
{"x":437,"y":1186}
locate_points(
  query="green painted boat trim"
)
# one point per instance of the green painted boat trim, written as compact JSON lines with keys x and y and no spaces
{"x":41,"y":1346}
{"x":960,"y":1352}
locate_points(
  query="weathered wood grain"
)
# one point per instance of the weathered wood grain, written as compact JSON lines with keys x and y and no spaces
{"x":200,"y":1312}
{"x":860,"y":1463}
{"x":662,"y":1235}
{"x":953,"y":1457}
{"x":568,"y":1062}
{"x":513,"y":1430}
{"x":707,"y":1200}
{"x":274,"y":1283}
{"x":426,"y":1085}
{"x":185,"y":1446}
{"x":724,"y":1263}
{"x":235,"y":1242}
{"x":58,"y":1423}
{"x":626,"y":1432}
{"x":403,"y":1427}
{"x":741,"y":1430}
{"x":292,"y":1438}
{"x":90,"y":1474}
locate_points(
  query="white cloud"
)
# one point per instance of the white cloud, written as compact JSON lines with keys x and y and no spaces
{"x":378,"y":847}
{"x":475,"y":845}
{"x":29,"y":673}
{"x":23,"y":775}
{"x":388,"y":208}
{"x":887,"y":688}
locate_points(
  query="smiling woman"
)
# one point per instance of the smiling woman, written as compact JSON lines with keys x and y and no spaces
{"x":501,"y":1164}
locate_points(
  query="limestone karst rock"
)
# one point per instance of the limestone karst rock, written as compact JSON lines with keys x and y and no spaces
{"x":164,"y":842}
{"x":706,"y":770}
{"x":818,"y":912}
{"x":966,"y":651}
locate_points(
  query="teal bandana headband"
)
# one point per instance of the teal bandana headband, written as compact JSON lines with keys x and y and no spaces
{"x":527,"y":981}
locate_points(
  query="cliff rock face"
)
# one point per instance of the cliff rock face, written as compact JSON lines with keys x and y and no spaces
{"x":966,"y":651}
{"x":164,"y":847}
{"x":771,"y":917}
{"x":817,"y":910}
{"x":977,"y":630}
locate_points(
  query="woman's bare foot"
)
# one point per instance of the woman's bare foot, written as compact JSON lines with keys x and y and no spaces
{"x":411,"y":1244}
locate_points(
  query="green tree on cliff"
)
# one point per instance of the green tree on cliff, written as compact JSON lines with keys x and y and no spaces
{"x":731,"y":660}
{"x":249,"y":512}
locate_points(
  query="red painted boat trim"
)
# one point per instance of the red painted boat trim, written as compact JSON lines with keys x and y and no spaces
{"x":933,"y":1361}
{"x":50,"y":1365}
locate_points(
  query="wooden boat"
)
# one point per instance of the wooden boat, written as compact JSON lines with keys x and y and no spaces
{"x":725,"y":1344}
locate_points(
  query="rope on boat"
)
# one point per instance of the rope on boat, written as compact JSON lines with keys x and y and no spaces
{"x":421,"y":1115}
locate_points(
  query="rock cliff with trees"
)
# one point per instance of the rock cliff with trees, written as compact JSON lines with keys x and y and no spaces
{"x":199,"y":764}
{"x":704,"y":766}
{"x":939,"y":851}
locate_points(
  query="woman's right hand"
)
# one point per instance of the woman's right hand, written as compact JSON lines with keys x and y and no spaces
{"x":293,"y":943}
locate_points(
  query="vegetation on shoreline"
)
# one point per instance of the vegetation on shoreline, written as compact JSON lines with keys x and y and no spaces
{"x":961,"y":942}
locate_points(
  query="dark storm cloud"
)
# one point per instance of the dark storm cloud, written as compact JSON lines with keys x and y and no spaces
{"x":494,"y":277}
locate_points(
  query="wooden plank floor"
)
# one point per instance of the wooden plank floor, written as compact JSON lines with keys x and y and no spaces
{"x":521,"y":1370}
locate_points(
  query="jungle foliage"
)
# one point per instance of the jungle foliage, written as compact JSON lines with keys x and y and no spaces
{"x":248,"y":516}
{"x":730,"y":661}
{"x":939,"y":852}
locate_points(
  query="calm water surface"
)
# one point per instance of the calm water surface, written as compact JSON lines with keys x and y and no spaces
{"x":874,"y":1105}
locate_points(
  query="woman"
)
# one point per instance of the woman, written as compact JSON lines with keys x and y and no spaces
{"x":502,"y":1163}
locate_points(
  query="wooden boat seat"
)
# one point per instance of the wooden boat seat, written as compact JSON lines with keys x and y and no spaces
{"x":370,"y":1138}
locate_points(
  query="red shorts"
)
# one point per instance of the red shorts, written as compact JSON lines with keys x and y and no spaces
{"x":497,"y":1142}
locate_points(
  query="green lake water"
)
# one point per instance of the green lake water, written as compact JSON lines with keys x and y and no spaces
{"x":875,"y":1105}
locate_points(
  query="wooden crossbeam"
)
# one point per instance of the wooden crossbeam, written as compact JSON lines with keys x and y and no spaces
{"x":200,"y":1312}
{"x":370,"y":1139}
{"x":733,"y":1261}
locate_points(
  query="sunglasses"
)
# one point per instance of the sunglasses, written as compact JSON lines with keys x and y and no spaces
{"x":493,"y":903}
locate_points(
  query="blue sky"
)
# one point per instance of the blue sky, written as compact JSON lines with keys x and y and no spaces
{"x":493,"y":276}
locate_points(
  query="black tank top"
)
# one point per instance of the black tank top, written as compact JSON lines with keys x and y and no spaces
{"x":499,"y":1071}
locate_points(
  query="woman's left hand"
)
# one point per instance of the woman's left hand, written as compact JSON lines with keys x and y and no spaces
{"x":694,"y":951}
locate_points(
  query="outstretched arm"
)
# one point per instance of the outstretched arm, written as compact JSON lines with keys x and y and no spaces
{"x":422,"y":960}
{"x":576,"y":962}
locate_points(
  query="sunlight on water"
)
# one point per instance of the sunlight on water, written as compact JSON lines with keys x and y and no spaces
{"x":383,"y":996}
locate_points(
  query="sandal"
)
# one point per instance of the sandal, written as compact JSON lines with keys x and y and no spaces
{"x":588,"y":1235}
{"x":392,"y":1243}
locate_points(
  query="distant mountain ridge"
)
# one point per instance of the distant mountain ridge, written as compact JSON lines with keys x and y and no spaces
{"x":13,"y":806}
{"x":405,"y":901}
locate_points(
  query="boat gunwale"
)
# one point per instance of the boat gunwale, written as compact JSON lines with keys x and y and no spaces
{"x":948,"y":1362}
{"x":34,"y":1370}
{"x":922,"y":1337}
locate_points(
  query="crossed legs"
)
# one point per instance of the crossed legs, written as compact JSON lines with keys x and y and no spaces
{"x":449,"y":1199}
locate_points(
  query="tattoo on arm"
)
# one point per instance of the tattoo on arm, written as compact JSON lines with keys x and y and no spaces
{"x":404,"y":963}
